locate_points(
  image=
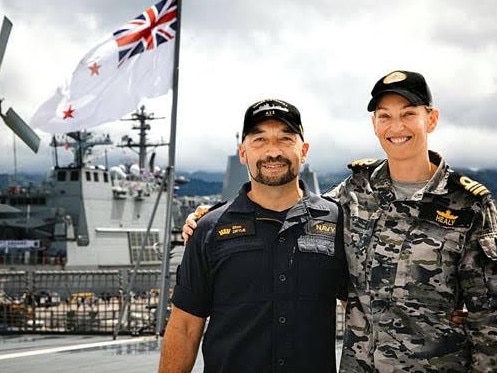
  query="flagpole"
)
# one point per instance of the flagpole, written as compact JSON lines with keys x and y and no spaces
{"x":165,"y":270}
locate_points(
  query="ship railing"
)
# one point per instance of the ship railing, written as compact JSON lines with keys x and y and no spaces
{"x":77,"y":302}
{"x":84,"y":302}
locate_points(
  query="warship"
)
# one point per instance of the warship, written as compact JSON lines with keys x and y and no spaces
{"x":87,"y":216}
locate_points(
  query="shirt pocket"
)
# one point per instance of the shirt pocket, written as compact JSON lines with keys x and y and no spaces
{"x":239,"y":269}
{"x":317,"y":266}
{"x":317,"y":244}
{"x":427,"y":266}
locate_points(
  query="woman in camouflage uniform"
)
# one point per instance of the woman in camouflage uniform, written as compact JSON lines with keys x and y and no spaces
{"x":420,"y":242}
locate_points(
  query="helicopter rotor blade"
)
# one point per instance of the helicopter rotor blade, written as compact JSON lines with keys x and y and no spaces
{"x":4,"y":36}
{"x":21,"y":129}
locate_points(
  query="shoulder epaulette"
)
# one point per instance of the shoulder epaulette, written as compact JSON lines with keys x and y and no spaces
{"x":365,"y":163}
{"x":217,"y":205}
{"x":470,"y":185}
{"x":328,"y":198}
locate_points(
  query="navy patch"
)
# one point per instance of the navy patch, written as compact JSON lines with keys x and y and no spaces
{"x":322,"y":228}
{"x":446,"y":217}
{"x":234,"y":230}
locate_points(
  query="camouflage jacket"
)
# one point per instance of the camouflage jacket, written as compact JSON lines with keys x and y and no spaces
{"x":412,"y":262}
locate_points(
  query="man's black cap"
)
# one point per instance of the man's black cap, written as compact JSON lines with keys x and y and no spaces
{"x":409,"y":84}
{"x":272,"y":109}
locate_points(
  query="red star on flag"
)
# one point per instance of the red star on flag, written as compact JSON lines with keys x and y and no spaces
{"x":68,"y":113}
{"x":95,"y":68}
{"x":131,"y":64}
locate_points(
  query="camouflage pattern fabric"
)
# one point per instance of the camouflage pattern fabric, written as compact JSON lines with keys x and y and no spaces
{"x":412,"y":262}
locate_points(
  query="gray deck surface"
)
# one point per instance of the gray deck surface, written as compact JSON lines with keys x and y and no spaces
{"x":75,"y":353}
{"x":81,"y":354}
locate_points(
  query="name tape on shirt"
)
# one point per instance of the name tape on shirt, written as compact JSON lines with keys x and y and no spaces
{"x":445,"y":216}
{"x":228,"y":231}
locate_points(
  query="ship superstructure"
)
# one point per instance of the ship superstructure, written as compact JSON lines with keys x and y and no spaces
{"x":86,"y":216}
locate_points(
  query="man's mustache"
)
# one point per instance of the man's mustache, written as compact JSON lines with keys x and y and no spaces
{"x":278,"y":159}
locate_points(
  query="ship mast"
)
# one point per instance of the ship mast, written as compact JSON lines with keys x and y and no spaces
{"x":143,"y":127}
{"x":81,"y":147}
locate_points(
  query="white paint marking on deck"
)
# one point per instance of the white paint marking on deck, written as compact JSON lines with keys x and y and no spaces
{"x":82,"y":346}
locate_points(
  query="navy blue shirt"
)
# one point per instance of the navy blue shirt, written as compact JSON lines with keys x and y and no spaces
{"x":268,"y":284}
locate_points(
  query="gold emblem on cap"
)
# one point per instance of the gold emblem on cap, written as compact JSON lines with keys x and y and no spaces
{"x":394,"y":77}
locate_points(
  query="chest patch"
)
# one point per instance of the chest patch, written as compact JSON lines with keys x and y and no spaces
{"x":446,"y":217}
{"x":322,"y":228}
{"x":233,"y":230}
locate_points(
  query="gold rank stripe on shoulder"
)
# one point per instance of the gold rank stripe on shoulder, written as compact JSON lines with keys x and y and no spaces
{"x":474,"y":187}
{"x":367,"y":164}
{"x":363,"y":162}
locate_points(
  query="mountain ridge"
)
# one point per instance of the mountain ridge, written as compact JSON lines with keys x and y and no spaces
{"x":212,"y":182}
{"x":204,"y":183}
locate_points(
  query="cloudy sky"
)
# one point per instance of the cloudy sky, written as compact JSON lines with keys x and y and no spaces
{"x":322,"y":55}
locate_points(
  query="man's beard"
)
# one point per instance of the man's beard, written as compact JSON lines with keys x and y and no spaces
{"x":274,"y":180}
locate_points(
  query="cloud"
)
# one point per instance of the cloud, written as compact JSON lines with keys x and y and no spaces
{"x":324,"y":56}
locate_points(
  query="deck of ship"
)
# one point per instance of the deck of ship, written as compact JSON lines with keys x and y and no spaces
{"x":61,"y":353}
{"x":77,"y":353}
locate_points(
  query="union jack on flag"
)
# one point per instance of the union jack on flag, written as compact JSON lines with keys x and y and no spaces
{"x":154,"y":26}
{"x":135,"y":62}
